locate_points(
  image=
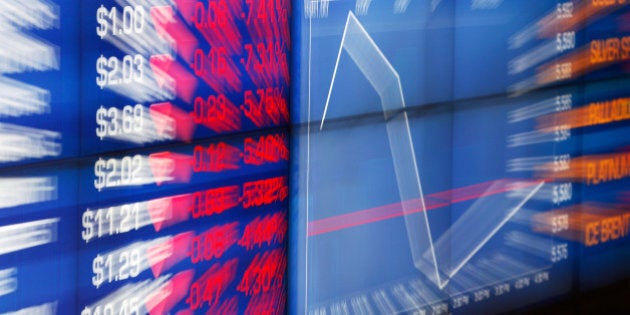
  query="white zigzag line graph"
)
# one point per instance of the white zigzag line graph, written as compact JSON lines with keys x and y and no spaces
{"x":385,"y":80}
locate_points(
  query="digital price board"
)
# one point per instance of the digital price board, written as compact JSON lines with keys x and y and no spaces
{"x":311,"y":156}
{"x":457,"y":157}
{"x":145,"y":152}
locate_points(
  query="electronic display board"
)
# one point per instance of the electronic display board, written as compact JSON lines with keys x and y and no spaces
{"x":144,"y":156}
{"x":464,"y":156}
{"x":311,"y":156}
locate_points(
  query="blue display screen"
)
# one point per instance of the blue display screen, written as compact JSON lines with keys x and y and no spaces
{"x":311,"y":156}
{"x":144,"y":150}
{"x":463,"y":157}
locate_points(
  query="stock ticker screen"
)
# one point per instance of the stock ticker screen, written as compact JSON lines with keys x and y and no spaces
{"x":144,"y":151}
{"x":311,"y":156}
{"x":464,"y":156}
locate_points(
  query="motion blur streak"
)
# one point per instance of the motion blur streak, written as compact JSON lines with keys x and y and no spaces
{"x":270,"y":229}
{"x":537,"y":163}
{"x":25,"y":235}
{"x":579,"y":62}
{"x":271,"y":303}
{"x":19,"y":143}
{"x":147,"y":42}
{"x":20,"y":99}
{"x":265,"y":274}
{"x":43,"y":309}
{"x":534,"y":137}
{"x":589,"y":223}
{"x":17,"y":191}
{"x":228,"y":307}
{"x":27,"y":14}
{"x":210,"y":287}
{"x":544,"y":107}
{"x":26,"y":53}
{"x":8,"y":281}
{"x":147,"y":297}
{"x":560,"y":20}
{"x":131,"y":260}
{"x":550,"y":25}
{"x":532,"y":58}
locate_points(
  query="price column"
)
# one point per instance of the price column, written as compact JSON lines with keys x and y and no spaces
{"x":124,"y":53}
{"x":184,"y":203}
{"x":543,"y":141}
{"x":566,"y":140}
{"x":191,"y":70}
{"x":38,"y":136}
{"x":203,"y":225}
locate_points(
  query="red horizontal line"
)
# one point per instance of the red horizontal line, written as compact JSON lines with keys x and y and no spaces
{"x":433,"y":201}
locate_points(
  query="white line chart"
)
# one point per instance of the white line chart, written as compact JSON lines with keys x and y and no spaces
{"x":442,"y":259}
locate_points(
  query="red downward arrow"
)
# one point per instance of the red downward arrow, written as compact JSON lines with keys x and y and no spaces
{"x":170,"y":167}
{"x":169,"y":26}
{"x":168,"y":211}
{"x":184,"y":123}
{"x":160,"y":211}
{"x":158,"y":255}
{"x":165,"y":298}
{"x":169,"y":71}
{"x":168,"y":253}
